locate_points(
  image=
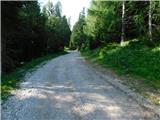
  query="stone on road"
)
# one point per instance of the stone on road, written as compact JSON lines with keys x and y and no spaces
{"x":66,"y":88}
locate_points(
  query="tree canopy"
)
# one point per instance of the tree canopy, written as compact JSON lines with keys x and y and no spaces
{"x":104,"y":22}
{"x":28,"y":32}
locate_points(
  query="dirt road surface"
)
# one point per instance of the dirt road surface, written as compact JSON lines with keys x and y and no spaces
{"x":67,"y":88}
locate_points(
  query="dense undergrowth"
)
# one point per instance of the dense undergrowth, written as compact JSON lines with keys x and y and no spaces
{"x":11,"y":81}
{"x":135,"y":59}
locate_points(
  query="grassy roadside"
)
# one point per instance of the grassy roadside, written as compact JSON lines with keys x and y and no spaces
{"x":11,"y":81}
{"x":138,"y":63}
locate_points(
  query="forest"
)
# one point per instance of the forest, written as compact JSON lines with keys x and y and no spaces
{"x":29,"y":32}
{"x":123,"y":36}
{"x":115,"y":22}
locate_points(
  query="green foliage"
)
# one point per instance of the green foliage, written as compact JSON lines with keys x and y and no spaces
{"x":58,"y":30}
{"x":28,"y":33}
{"x":95,"y":32}
{"x":78,"y":36}
{"x":103,"y":22}
{"x":133,"y":58}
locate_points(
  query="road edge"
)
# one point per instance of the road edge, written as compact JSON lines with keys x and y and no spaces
{"x":145,"y":103}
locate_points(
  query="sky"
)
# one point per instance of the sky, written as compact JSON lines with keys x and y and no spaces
{"x":70,"y":8}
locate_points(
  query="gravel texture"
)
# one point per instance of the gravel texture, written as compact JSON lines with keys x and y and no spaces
{"x":67,"y":88}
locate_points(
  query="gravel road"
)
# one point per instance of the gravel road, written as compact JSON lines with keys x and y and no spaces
{"x":67,"y":88}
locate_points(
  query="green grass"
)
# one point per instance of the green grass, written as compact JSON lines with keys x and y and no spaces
{"x":133,"y":59}
{"x":10,"y":82}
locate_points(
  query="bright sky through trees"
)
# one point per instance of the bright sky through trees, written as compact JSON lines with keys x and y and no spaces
{"x":70,"y":8}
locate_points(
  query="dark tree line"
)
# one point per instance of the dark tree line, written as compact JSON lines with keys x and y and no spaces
{"x":28,"y":32}
{"x":117,"y":21}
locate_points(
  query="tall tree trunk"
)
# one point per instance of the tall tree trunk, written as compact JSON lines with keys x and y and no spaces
{"x":123,"y":22}
{"x":150,"y":20}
